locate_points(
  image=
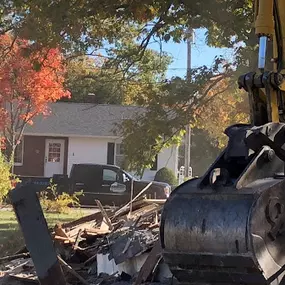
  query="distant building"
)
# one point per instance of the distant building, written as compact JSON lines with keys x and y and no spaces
{"x":79,"y":133}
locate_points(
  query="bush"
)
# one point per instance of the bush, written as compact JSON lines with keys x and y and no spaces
{"x":6,"y":178}
{"x":53,"y":202}
{"x":166,"y":175}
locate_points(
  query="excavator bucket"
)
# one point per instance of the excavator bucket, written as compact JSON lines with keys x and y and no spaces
{"x":228,"y":226}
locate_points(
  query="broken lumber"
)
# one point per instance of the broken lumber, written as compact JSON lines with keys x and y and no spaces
{"x":105,"y":215}
{"x":136,"y":205}
{"x":127,"y":235}
{"x":93,"y":217}
{"x":150,"y":263}
{"x":12,"y":257}
{"x":155,"y":201}
{"x":64,"y":239}
{"x":83,"y":227}
{"x":132,"y":200}
{"x":145,"y":211}
{"x":77,"y":239}
{"x":72,"y":271}
{"x":95,"y":232}
{"x":24,"y":278}
{"x":59,"y":231}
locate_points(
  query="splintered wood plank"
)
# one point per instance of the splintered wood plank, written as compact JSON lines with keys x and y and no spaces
{"x":72,"y":271}
{"x":89,"y":218}
{"x":149,"y":264}
{"x":94,"y":232}
{"x":12,"y":257}
{"x":106,"y":218}
{"x":145,"y":211}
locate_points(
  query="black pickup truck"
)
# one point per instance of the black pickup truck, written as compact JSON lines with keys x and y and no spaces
{"x":107,"y":183}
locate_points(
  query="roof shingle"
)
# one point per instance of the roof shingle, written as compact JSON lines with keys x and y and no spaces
{"x":81,"y":119}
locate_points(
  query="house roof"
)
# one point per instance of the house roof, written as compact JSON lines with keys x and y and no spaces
{"x":81,"y":119}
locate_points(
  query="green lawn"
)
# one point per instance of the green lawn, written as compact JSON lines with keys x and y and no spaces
{"x":11,"y":238}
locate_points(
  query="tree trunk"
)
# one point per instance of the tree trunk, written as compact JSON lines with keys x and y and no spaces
{"x":10,"y":154}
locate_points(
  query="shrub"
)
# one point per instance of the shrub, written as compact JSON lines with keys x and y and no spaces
{"x":6,"y":178}
{"x":54,"y":202}
{"x":166,"y":175}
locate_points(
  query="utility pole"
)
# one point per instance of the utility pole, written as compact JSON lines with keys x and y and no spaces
{"x":188,"y":169}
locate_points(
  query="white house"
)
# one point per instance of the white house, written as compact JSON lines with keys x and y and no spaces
{"x":79,"y":133}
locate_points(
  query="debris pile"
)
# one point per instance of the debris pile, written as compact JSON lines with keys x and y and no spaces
{"x":106,"y":247}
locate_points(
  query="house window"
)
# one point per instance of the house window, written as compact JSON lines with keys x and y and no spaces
{"x":119,"y":155}
{"x":19,"y":153}
{"x":54,"y":150}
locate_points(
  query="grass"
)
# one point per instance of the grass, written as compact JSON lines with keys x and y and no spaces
{"x":11,"y":238}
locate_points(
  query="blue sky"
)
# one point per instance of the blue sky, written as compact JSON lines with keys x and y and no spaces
{"x":201,"y":54}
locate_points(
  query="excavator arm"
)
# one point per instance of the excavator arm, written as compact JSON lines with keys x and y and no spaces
{"x":228,"y":226}
{"x":266,"y":86}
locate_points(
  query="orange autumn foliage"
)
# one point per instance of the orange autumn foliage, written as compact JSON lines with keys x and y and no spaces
{"x":28,"y":82}
{"x":224,"y":106}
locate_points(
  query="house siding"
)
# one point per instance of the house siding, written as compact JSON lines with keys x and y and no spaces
{"x":82,"y":150}
{"x":166,"y":158}
{"x":87,"y":150}
{"x":34,"y":156}
{"x":95,"y":150}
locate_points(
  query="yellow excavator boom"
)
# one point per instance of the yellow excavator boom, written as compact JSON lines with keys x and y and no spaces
{"x":228,"y":226}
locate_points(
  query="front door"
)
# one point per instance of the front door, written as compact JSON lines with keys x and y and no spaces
{"x":54,"y":157}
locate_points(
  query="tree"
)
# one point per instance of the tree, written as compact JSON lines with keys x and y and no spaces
{"x":111,"y":81}
{"x":226,"y":108}
{"x":204,"y":150}
{"x":29,"y":81}
{"x":222,"y":112}
{"x":166,"y":175}
{"x":168,"y":110}
{"x":97,"y":21}
{"x":6,"y":181}
{"x":85,"y":76}
{"x":83,"y":27}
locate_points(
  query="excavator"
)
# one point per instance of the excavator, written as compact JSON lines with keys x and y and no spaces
{"x":228,"y":226}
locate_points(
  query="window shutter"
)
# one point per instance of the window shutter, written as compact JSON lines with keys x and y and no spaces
{"x":111,"y":153}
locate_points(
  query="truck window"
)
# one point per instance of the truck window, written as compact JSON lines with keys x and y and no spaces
{"x":84,"y":172}
{"x":109,"y":175}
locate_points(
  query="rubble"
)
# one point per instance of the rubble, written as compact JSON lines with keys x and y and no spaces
{"x":106,"y":247}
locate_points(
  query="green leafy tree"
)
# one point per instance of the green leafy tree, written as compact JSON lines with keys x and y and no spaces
{"x":85,"y":27}
{"x":167,"y":111}
{"x":85,"y":77}
{"x":204,"y":150}
{"x":119,"y":79}
{"x":74,"y":18}
{"x":6,"y":179}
